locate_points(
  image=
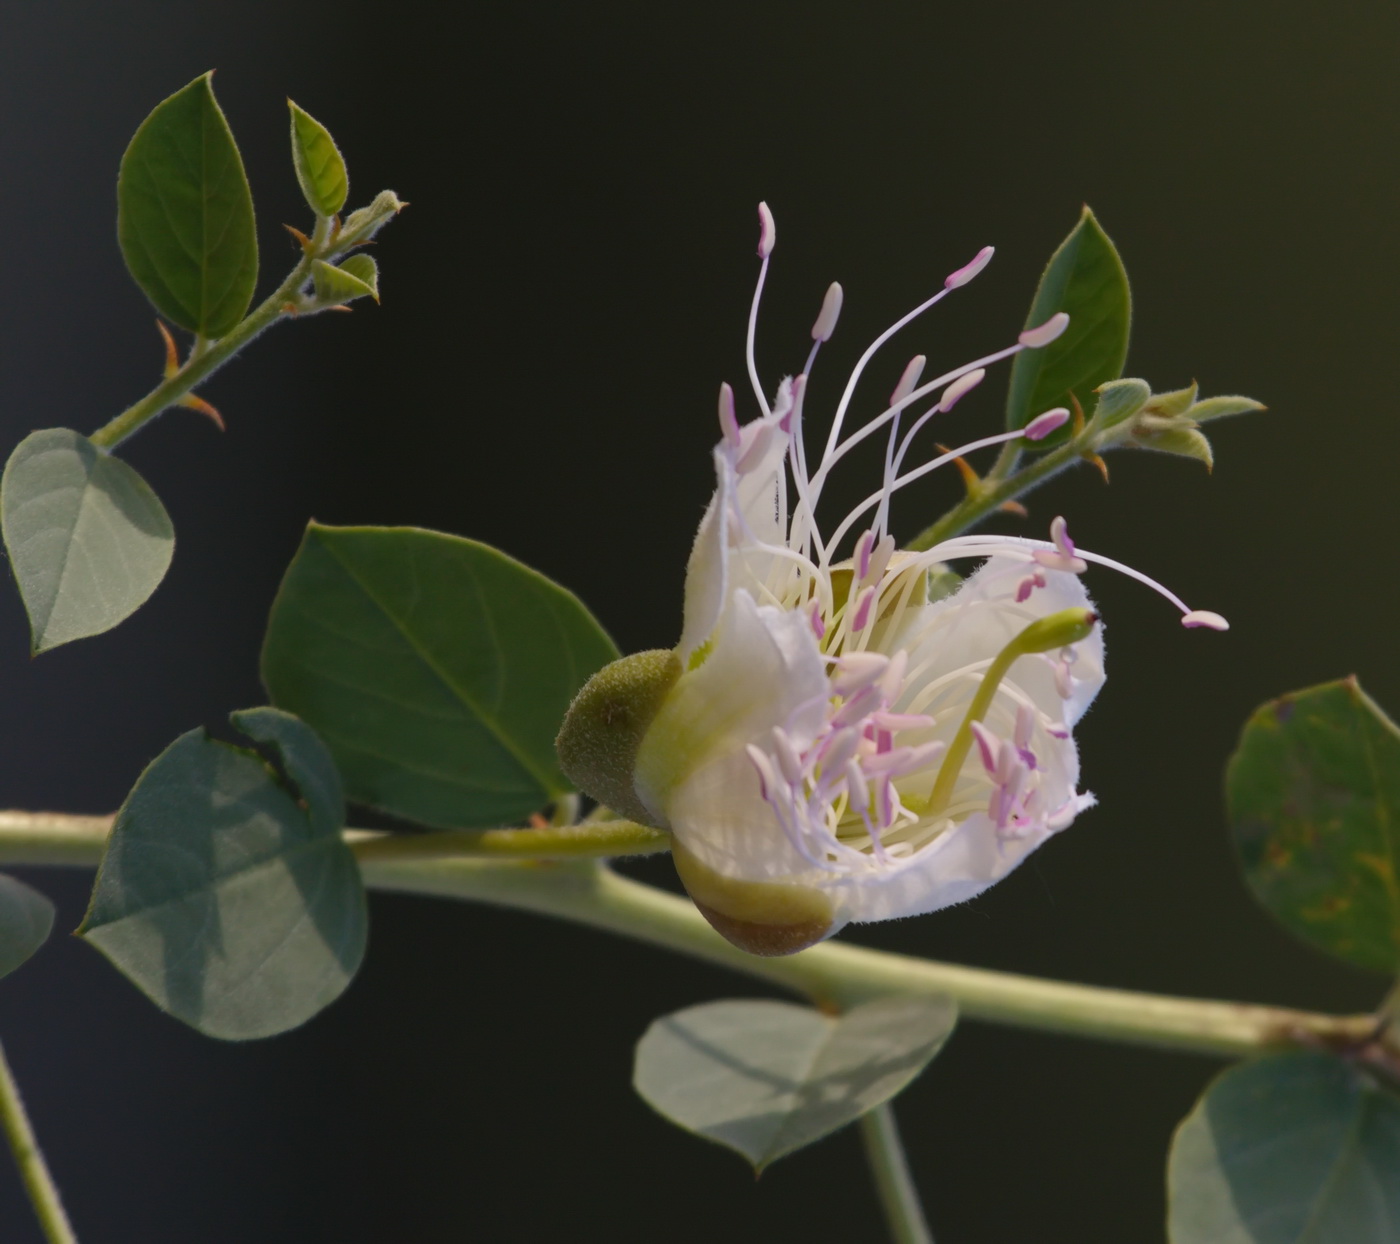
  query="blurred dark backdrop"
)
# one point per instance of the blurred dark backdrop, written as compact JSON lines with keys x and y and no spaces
{"x":560,"y":302}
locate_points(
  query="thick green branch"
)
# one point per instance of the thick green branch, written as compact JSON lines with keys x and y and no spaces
{"x":833,"y":972}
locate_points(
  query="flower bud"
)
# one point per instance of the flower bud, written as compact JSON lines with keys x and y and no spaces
{"x":598,"y":742}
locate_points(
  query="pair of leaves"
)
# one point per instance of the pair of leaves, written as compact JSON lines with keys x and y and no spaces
{"x":1313,"y":794}
{"x":1085,"y":278}
{"x":227,"y":893}
{"x":1293,"y":1149}
{"x":767,"y":1078}
{"x":437,"y":670}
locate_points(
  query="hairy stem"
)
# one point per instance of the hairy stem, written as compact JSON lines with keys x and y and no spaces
{"x":38,"y":1183}
{"x":834,"y":973}
{"x":898,"y":1196}
{"x":208,"y":357}
{"x":993,"y":491}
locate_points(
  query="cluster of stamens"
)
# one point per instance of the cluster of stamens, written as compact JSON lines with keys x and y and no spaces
{"x":852,"y":792}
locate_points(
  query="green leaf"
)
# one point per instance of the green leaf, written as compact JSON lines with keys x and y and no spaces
{"x":1085,"y":278}
{"x":1294,"y":1149}
{"x":26,"y":920}
{"x":320,"y":167}
{"x":185,"y":214}
{"x":437,"y":669}
{"x":767,"y":1078}
{"x":357,"y":277}
{"x":1120,"y":400}
{"x":88,"y":539}
{"x":228,"y":898}
{"x":1314,"y":804}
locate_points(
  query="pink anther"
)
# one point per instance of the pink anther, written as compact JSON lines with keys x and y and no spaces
{"x":1042,"y":425}
{"x":908,"y":379}
{"x":767,"y":231}
{"x":728,"y":420}
{"x":1044,"y":334}
{"x":1204,"y":617}
{"x":963,"y":275}
{"x":829,"y":314}
{"x":960,"y":387}
{"x":864,"y":604}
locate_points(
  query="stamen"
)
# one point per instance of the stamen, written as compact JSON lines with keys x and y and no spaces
{"x":728,"y":420}
{"x":960,"y":387}
{"x":767,"y":231}
{"x":1204,"y":617}
{"x":913,"y":369}
{"x":1042,"y":425}
{"x":963,"y":275}
{"x":1044,"y":334}
{"x":830,"y":312}
{"x":862,"y":614}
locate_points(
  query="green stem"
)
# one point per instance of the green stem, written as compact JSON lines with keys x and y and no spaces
{"x":994,"y":491}
{"x":834,"y":973}
{"x":37,"y":1180}
{"x":208,"y":357}
{"x":898,"y":1196}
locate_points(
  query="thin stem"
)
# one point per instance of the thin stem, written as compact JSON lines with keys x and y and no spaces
{"x":207,"y":357}
{"x":898,"y":1196}
{"x":48,"y":1208}
{"x":834,"y":973}
{"x":993,"y":492}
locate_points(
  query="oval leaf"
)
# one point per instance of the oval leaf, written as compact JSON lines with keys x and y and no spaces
{"x":437,"y":669}
{"x":26,"y":920}
{"x":319,"y":164}
{"x":767,"y":1078}
{"x":1295,"y":1149}
{"x":1314,"y":804}
{"x":231,"y":905}
{"x":185,"y":214}
{"x":88,"y":539}
{"x":349,"y":281}
{"x":1085,"y":278}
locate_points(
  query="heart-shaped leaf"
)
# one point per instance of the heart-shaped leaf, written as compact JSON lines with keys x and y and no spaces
{"x":185,"y":213}
{"x":26,"y":920}
{"x":437,"y":669}
{"x":229,"y":899}
{"x":1293,"y":1149}
{"x":1314,"y":803}
{"x":319,"y":165}
{"x":1085,"y":278}
{"x":88,"y":539}
{"x":767,"y":1078}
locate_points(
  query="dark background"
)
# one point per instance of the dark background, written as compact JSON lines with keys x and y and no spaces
{"x":560,"y":302}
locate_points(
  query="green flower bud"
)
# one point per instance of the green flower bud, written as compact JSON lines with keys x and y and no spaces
{"x":604,"y":727}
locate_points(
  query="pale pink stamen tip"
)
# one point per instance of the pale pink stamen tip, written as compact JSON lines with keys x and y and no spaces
{"x":912,"y":371}
{"x":988,"y":744}
{"x":728,"y":420}
{"x":1035,"y":338}
{"x":767,"y":231}
{"x":830,"y":313}
{"x":1042,"y":425}
{"x":818,"y":622}
{"x":960,"y":387}
{"x":862,"y":615}
{"x":964,"y":274}
{"x":863,"y":547}
{"x":1204,"y":617}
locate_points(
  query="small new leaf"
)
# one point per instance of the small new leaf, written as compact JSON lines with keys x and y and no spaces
{"x":319,"y":165}
{"x":364,"y":222}
{"x":1086,"y":279}
{"x":1120,"y":400}
{"x":88,"y":539}
{"x":767,"y":1078}
{"x":356,"y":277}
{"x":185,"y":214}
{"x":1313,"y":794}
{"x":227,"y":895}
{"x":1293,"y":1149}
{"x":26,"y":920}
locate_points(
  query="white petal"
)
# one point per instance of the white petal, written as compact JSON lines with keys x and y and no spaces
{"x":765,"y":670}
{"x":706,"y":574}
